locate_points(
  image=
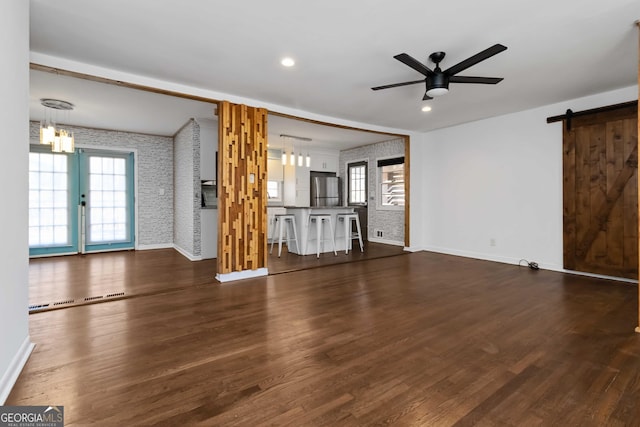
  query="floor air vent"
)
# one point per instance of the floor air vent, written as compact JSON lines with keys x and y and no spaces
{"x":73,"y":302}
{"x":117,"y":294}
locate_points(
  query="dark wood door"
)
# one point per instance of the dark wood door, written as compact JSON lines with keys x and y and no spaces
{"x":600,"y":164}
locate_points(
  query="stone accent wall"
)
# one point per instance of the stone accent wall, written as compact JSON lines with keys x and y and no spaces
{"x":154,"y":161}
{"x":187,"y":198}
{"x":391,"y":222}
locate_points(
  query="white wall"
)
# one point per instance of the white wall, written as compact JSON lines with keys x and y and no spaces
{"x":499,"y":178}
{"x":14,"y":253}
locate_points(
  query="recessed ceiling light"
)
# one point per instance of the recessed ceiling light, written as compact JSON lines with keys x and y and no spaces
{"x":426,"y":108}
{"x":288,"y":62}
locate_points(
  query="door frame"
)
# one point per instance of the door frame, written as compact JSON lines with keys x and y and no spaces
{"x":134,"y":152}
{"x":83,"y":168}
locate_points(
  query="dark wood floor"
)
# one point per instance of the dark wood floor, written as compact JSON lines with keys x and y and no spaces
{"x":61,"y":282}
{"x":421,"y":339}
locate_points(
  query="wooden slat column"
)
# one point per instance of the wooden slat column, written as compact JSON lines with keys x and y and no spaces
{"x":242,"y":189}
{"x":638,"y":25}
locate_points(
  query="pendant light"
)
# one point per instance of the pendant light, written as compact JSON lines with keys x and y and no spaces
{"x":302,"y":160}
{"x":60,"y":140}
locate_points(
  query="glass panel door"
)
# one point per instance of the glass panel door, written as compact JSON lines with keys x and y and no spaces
{"x":107,"y":196}
{"x":52,"y":217}
{"x":80,"y":202}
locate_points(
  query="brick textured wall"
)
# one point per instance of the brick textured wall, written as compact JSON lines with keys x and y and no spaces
{"x":186,"y":169}
{"x":391,"y":222}
{"x":154,"y":161}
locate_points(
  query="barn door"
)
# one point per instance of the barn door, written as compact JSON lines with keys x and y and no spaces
{"x":600,"y":163}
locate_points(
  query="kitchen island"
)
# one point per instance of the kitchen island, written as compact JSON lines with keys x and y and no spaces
{"x":302,"y":226}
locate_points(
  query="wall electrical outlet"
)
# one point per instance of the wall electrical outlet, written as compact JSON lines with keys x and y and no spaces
{"x":378,"y":233}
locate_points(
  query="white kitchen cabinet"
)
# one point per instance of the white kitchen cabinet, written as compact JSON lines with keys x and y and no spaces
{"x":208,"y":148}
{"x":209,"y":233}
{"x":324,"y":162}
{"x":297,"y":187}
{"x":303,"y":197}
{"x":275,"y":170}
{"x":271,"y":213}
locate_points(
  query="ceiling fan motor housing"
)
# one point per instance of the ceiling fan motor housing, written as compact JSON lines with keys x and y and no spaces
{"x":437,"y":84}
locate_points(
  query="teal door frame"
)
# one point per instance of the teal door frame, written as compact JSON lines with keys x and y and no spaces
{"x":84,"y":155}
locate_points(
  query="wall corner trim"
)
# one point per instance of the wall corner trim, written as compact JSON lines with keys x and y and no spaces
{"x":239,"y":275}
{"x":186,"y":254}
{"x":10,"y":376}
{"x":156,"y":246}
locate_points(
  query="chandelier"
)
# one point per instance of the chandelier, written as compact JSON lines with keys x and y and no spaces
{"x":60,"y":140}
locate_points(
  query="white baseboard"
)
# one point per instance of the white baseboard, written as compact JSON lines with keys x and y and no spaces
{"x":385,"y":241}
{"x":516,"y":261}
{"x":186,"y":254}
{"x":475,"y":255}
{"x":595,"y":276}
{"x":239,"y":275}
{"x":10,"y":376}
{"x":156,"y":246}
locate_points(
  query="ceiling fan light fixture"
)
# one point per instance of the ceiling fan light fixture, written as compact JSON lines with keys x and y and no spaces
{"x":426,"y":108}
{"x":437,"y":91}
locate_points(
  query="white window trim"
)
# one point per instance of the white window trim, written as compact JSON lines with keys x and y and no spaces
{"x":379,"y":205}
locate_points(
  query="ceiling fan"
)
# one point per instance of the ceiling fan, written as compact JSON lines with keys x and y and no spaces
{"x":437,"y":81}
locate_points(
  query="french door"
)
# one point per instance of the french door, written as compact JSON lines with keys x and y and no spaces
{"x":80,"y":202}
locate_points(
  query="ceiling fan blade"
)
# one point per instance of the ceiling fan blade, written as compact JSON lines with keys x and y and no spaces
{"x":414,"y":63}
{"x":478,"y":57}
{"x":482,"y":80}
{"x":397,"y":84}
{"x":426,"y":97}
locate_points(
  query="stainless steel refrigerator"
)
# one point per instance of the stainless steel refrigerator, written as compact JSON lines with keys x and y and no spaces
{"x":326,"y":191}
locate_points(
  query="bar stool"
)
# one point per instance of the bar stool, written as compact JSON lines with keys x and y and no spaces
{"x":348,"y":218}
{"x":280,"y":221}
{"x":319,"y":220}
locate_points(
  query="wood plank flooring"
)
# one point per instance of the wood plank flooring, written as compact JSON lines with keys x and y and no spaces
{"x":421,"y":339}
{"x":60,"y":282}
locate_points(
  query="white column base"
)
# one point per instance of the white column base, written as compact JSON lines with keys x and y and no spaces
{"x":239,"y":275}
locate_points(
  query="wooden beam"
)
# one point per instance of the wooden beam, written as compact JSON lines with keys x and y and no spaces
{"x":128,"y":85}
{"x":638,"y":25}
{"x":407,"y":192}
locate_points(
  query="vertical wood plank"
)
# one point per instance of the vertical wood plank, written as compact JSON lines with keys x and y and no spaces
{"x":615,"y":158}
{"x":630,"y":200}
{"x":242,"y":207}
{"x":598,"y":190}
{"x":583,"y":194}
{"x":638,"y":133}
{"x":569,"y":197}
{"x":407,"y":192}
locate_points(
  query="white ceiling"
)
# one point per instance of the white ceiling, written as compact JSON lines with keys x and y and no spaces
{"x":557,"y":50}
